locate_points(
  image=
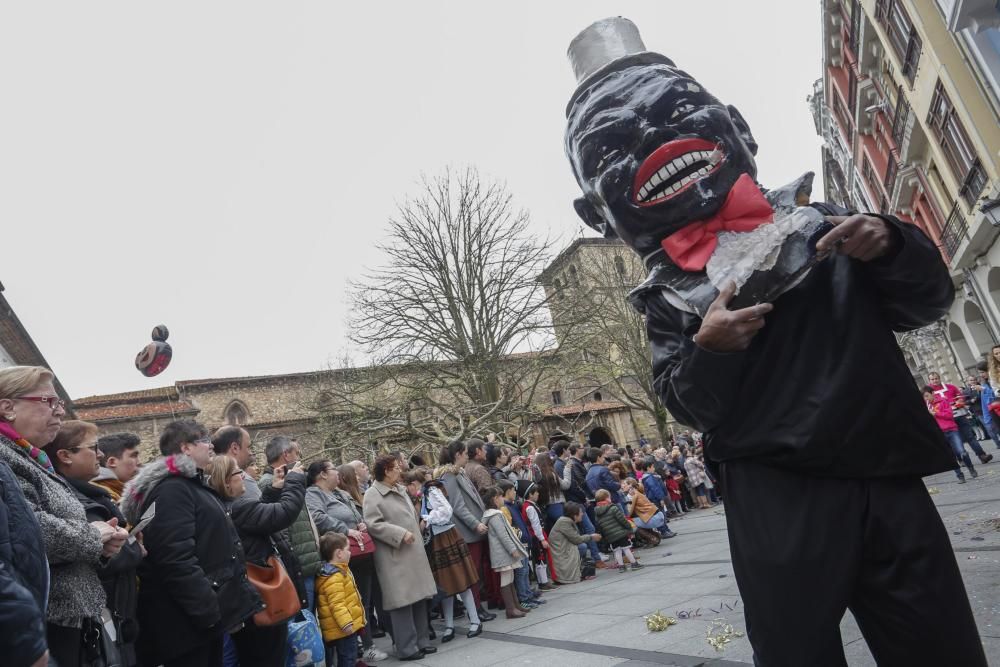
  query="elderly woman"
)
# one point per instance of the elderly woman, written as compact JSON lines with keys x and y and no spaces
{"x":74,"y":455}
{"x":30,"y":416}
{"x":336,"y":509}
{"x":400,"y":560}
{"x":565,"y":544}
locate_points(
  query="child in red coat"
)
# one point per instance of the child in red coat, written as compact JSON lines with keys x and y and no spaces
{"x":674,"y":495}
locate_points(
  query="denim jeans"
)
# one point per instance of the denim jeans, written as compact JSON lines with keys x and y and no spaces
{"x":522,"y":584}
{"x":310,"y":585}
{"x":346,"y":649}
{"x":994,"y":432}
{"x":553,"y":512}
{"x":587,"y":528}
{"x":655,"y":522}
{"x":954,"y":439}
{"x":965,"y":428}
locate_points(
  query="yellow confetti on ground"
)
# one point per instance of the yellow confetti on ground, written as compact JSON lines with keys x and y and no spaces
{"x":657,"y":622}
{"x":721,"y":633}
{"x":933,"y":490}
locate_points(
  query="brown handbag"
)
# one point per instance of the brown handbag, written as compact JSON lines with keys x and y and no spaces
{"x":276,"y":589}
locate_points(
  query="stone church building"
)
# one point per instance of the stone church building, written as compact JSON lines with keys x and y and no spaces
{"x":582,"y":407}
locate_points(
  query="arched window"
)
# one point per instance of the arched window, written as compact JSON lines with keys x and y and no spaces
{"x":574,"y":278}
{"x":620,"y":265}
{"x":559,"y":286}
{"x":597,"y":396}
{"x":236,"y":414}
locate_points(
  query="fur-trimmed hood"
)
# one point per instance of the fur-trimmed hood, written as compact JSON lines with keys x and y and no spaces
{"x":136,"y":491}
{"x":441,"y":471}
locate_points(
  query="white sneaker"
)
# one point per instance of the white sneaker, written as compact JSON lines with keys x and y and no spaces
{"x":605,"y":558}
{"x":374,"y":655}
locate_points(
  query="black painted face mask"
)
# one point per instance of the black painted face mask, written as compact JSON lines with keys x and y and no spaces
{"x":653,"y":151}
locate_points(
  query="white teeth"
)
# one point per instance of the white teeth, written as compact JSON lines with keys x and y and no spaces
{"x":677,"y":164}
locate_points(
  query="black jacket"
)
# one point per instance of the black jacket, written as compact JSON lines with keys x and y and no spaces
{"x":192,"y":584}
{"x":118,"y":575}
{"x":260,"y":524}
{"x":823,"y":387}
{"x":578,"y":491}
{"x":24,"y":577}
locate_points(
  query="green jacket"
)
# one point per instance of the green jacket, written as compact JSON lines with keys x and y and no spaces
{"x":302,"y":534}
{"x":611,"y":523}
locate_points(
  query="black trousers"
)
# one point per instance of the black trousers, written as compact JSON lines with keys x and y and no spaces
{"x":262,"y":645}
{"x":806,"y":549}
{"x":203,"y":655}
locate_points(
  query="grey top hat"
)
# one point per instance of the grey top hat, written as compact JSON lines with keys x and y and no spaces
{"x":604,"y":47}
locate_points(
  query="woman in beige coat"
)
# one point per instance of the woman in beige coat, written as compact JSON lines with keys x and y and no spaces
{"x":400,"y":560}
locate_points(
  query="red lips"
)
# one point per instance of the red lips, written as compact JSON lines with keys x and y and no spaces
{"x":665,"y":154}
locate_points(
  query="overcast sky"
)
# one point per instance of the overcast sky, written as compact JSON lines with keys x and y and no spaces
{"x":224,"y":168}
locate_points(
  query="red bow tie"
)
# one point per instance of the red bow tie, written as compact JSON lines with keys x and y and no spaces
{"x":745,"y":209}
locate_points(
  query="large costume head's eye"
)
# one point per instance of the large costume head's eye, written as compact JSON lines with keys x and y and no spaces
{"x":607,"y":156}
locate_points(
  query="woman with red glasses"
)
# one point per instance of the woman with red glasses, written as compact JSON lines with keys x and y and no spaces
{"x":30,"y":416}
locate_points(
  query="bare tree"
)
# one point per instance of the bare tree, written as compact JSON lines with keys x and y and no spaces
{"x":603,"y":335}
{"x":454,"y":322}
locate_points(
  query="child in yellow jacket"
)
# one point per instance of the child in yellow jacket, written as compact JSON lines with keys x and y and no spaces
{"x":338,"y":604}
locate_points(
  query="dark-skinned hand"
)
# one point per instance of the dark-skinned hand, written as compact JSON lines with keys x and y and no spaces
{"x":863,"y":237}
{"x":724,"y":330}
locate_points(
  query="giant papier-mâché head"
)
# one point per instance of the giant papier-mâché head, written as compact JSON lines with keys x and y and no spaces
{"x":651,"y":149}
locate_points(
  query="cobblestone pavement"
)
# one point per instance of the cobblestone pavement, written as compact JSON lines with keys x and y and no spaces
{"x":600,"y":622}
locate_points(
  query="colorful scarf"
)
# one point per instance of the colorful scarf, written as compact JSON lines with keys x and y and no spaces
{"x":37,"y":455}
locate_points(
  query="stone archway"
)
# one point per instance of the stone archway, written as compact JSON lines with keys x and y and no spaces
{"x":965,"y":356}
{"x":599,"y":436}
{"x":975,"y":322}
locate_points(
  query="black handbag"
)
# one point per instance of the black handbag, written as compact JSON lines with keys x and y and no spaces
{"x":98,"y":645}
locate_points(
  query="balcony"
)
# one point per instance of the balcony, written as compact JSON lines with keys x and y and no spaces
{"x":956,"y":230}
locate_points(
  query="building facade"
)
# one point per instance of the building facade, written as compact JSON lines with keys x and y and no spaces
{"x":18,"y":349}
{"x":579,"y":400}
{"x":909,"y":112}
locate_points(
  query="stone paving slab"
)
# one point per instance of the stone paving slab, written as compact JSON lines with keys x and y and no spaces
{"x":601,"y":622}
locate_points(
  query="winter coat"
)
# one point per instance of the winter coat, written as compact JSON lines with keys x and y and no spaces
{"x":108,"y":480}
{"x":563,"y":540}
{"x":118,"y":575}
{"x":332,"y":510}
{"x":798,"y":398}
{"x":695,"y":471}
{"x":261,"y":523}
{"x":599,"y":477}
{"x":642,"y":507}
{"x":302,"y":535}
{"x":466,"y":503}
{"x":656,"y":492}
{"x":674,"y":488}
{"x":403,"y":571}
{"x":986,"y":396}
{"x":577,"y":491}
{"x":72,"y":545}
{"x":517,"y":520}
{"x":611,"y":523}
{"x":193,"y":584}
{"x":24,"y":576}
{"x":479,"y":476}
{"x":503,"y":541}
{"x":338,"y":602}
{"x":941,"y":409}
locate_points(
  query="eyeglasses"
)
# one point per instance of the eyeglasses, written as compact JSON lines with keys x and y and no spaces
{"x":53,"y":401}
{"x":203,"y":441}
{"x":236,"y":474}
{"x":92,"y":448}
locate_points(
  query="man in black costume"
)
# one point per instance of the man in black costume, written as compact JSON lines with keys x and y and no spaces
{"x":813,"y":421}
